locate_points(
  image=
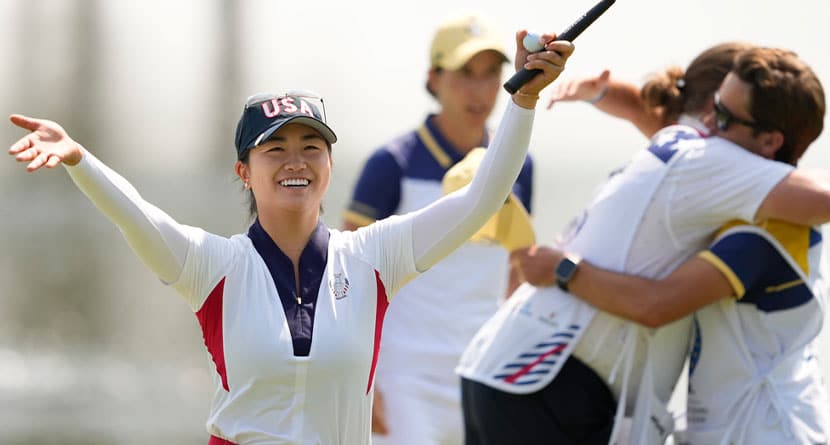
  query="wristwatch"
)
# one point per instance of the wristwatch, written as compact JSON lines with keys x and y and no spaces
{"x":565,"y":270}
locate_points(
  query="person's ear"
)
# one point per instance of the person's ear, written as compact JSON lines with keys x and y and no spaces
{"x":242,"y":171}
{"x":432,"y":80}
{"x":771,"y":142}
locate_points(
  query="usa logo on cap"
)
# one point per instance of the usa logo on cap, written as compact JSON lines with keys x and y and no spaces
{"x":266,"y":113}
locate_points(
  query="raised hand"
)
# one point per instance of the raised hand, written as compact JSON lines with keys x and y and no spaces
{"x":47,"y":145}
{"x":551,"y":61}
{"x":584,"y":88}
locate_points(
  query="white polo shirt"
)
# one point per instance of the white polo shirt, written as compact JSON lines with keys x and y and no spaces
{"x":264,"y":391}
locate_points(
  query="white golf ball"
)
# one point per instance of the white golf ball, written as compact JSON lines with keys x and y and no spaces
{"x":532,"y":42}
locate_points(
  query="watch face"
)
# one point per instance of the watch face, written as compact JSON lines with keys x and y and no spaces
{"x":565,"y":270}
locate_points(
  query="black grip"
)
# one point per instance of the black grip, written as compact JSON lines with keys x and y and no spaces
{"x":524,"y":75}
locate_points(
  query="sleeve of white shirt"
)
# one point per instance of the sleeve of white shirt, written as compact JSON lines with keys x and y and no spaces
{"x":387,"y":245}
{"x":159,"y":241}
{"x":208,"y":260}
{"x":720,"y":183}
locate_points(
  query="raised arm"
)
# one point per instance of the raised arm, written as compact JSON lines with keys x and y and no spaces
{"x":617,"y":98}
{"x":652,"y":303}
{"x":802,"y":197}
{"x":158,"y":240}
{"x":443,"y":226}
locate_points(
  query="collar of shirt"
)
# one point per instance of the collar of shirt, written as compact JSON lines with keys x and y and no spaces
{"x":299,"y":309}
{"x":445,"y":145}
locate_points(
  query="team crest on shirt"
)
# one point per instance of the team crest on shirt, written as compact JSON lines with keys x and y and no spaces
{"x":339,"y":286}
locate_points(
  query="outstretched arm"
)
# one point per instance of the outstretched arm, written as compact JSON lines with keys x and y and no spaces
{"x":446,"y":224}
{"x":614,"y":97}
{"x":158,"y":240}
{"x":652,"y":303}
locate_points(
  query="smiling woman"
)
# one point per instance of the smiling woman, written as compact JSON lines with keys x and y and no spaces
{"x":302,"y":146}
{"x":292,"y":311}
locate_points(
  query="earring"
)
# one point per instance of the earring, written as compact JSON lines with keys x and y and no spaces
{"x":247,"y":185}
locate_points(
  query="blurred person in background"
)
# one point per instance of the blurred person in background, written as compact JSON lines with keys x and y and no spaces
{"x":417,"y":400}
{"x":291,"y":312}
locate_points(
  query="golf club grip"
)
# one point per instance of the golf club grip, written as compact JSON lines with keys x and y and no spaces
{"x":524,"y":75}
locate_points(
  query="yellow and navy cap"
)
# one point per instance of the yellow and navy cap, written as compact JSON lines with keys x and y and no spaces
{"x":457,"y":40}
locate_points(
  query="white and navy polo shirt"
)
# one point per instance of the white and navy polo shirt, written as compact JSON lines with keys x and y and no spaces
{"x":289,"y":367}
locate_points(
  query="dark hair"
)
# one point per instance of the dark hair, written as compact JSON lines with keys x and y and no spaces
{"x":252,"y":208}
{"x":675,"y":91}
{"x":436,"y":70}
{"x":786,"y":96}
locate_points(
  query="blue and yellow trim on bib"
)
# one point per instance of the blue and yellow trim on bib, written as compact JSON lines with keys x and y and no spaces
{"x":765,"y":263}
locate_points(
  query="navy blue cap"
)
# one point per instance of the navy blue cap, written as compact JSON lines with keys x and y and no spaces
{"x":265,"y":113}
